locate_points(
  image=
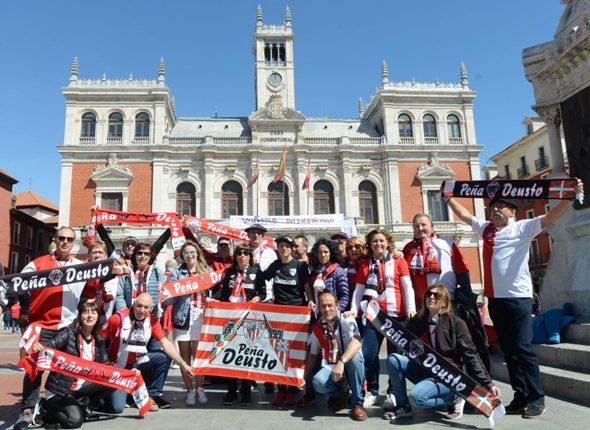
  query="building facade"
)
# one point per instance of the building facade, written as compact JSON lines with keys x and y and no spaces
{"x":7,"y":181}
{"x":531,"y":157}
{"x":124,"y":148}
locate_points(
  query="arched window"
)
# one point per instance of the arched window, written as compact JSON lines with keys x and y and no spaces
{"x":278,"y":199}
{"x":368,"y":202}
{"x":323,"y":198}
{"x":142,"y":125}
{"x":185,"y":199}
{"x":454,"y":126}
{"x":429,"y":126}
{"x":115,"y":125}
{"x":266,"y":52}
{"x":231,"y":199}
{"x":405,"y":126}
{"x":88,"y":124}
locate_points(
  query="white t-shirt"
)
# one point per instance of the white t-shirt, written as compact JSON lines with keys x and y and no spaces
{"x":506,"y":257}
{"x":349,"y":330}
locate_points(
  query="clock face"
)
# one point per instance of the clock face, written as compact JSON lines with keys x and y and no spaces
{"x":275,"y":78}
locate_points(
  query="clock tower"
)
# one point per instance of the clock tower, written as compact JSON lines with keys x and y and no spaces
{"x":273,"y":56}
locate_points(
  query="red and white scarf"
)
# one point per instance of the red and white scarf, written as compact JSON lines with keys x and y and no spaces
{"x":238,"y":294}
{"x":327,"y":337}
{"x":425,"y":259}
{"x":317,"y":279}
{"x":376,"y":279}
{"x":101,"y":374}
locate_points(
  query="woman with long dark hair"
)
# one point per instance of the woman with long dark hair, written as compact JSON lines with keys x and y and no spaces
{"x":242,"y":283}
{"x":327,"y":274}
{"x":69,"y":402}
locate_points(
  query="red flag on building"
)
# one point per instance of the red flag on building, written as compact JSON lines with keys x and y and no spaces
{"x":307,"y":179}
{"x":282,"y":166}
{"x":255,"y":175}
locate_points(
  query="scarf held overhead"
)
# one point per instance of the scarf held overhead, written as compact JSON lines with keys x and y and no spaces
{"x":104,"y":216}
{"x":30,"y":281}
{"x":190,"y":285}
{"x":199,"y":225}
{"x":560,"y":189}
{"x":101,"y":374}
{"x":433,"y":363}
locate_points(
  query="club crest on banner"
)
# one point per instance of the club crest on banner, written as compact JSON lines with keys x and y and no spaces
{"x":416,"y":348}
{"x":55,"y":276}
{"x":492,"y":188}
{"x":251,"y":342}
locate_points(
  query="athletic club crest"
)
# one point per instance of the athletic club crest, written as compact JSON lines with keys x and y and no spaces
{"x":492,"y":188}
{"x":416,"y":348}
{"x":253,"y":331}
{"x":292,"y":271}
{"x":55,"y":276}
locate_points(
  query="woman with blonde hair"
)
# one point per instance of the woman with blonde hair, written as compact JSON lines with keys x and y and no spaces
{"x":447,"y":334}
{"x":356,"y":252}
{"x":187,"y":317}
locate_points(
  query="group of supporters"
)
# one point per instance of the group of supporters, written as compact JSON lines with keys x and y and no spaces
{"x":121,"y":321}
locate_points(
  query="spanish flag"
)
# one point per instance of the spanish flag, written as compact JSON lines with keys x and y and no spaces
{"x":282,"y":166}
{"x":307,"y":179}
{"x":255,"y":175}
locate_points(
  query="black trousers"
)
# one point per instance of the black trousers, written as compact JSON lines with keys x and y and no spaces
{"x":513,"y":324}
{"x":31,"y":388}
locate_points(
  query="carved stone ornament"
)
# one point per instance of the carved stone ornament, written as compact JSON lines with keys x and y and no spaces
{"x":112,"y":159}
{"x":216,"y":195}
{"x":322,"y":169}
{"x":433,"y":159}
{"x":275,"y":107}
{"x":230,"y":170}
{"x":208,"y":168}
{"x":549,"y":113}
{"x":364,"y":171}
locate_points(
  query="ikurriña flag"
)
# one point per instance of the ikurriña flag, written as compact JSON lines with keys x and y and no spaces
{"x":282,"y":166}
{"x":255,"y":341}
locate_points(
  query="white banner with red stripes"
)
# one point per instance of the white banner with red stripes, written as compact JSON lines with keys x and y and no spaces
{"x":256,"y":341}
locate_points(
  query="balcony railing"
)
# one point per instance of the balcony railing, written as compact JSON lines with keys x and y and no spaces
{"x":141,"y":141}
{"x":87,"y":140}
{"x":541,"y":163}
{"x":186,"y":140}
{"x":455,"y":140}
{"x":367,"y":140}
{"x":322,"y":140}
{"x":431,"y":140}
{"x":114,"y":140}
{"x":406,"y":140}
{"x":522,"y":171}
{"x":231,"y":140}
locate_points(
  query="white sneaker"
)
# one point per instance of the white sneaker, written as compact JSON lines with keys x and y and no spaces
{"x":190,"y":398}
{"x":389,"y":403}
{"x":201,"y":396}
{"x":174,"y":365}
{"x":370,"y":399}
{"x":455,"y":410}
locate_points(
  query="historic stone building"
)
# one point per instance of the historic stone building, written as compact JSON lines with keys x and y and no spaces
{"x":125,"y":148}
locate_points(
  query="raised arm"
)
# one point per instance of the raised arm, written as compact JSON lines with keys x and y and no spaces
{"x":463,"y":214}
{"x":559,"y":209}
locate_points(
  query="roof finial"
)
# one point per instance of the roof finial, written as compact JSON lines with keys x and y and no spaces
{"x":288,"y":16}
{"x":259,"y":16}
{"x":161,"y":71}
{"x":361,"y":107}
{"x":74,"y":70}
{"x":384,"y":73}
{"x":463,"y":75}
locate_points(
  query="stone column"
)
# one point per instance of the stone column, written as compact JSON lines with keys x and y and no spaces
{"x":210,"y":203}
{"x":65,"y":193}
{"x":392,"y":190}
{"x":550,"y":114}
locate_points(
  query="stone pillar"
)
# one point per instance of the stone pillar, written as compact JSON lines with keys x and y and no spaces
{"x":209,"y":186}
{"x":551,"y":116}
{"x":392,"y":190}
{"x":65,"y":193}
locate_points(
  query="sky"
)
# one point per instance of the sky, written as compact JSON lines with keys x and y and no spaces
{"x":207,"y":46}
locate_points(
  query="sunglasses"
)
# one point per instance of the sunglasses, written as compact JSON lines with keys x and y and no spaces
{"x":434,"y":294}
{"x":240,"y":253}
{"x":66,"y":238}
{"x":189,"y":254}
{"x":223,"y":244}
{"x":144,"y":253}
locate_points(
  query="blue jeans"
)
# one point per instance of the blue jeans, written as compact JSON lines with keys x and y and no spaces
{"x":427,"y":393}
{"x":372,"y":341}
{"x":355,"y":373}
{"x":154,"y":373}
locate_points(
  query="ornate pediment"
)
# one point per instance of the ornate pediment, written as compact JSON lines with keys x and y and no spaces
{"x":275,"y":113}
{"x":112,"y":172}
{"x":432,"y":174}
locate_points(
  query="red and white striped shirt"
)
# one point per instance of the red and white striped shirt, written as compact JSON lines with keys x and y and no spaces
{"x":506,"y":256}
{"x":397,"y":298}
{"x":54,"y":308}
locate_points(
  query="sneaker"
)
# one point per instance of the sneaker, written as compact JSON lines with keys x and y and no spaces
{"x":389,"y":403}
{"x":534,"y":410}
{"x":191,"y":398}
{"x":174,"y":365}
{"x":153,"y":405}
{"x":161,"y":402}
{"x":370,"y":399}
{"x":307,"y":400}
{"x":359,"y":413}
{"x":230,"y":398}
{"x":201,"y":396}
{"x":25,"y":419}
{"x":515,"y":408}
{"x":279,"y":398}
{"x":455,"y":410}
{"x":401,"y":411}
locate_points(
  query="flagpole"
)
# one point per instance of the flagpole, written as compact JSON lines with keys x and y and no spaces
{"x":257,"y":190}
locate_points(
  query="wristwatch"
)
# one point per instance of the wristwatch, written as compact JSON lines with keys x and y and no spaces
{"x":344,"y":360}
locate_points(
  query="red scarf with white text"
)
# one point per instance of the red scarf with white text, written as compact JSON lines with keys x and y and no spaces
{"x":425,"y":259}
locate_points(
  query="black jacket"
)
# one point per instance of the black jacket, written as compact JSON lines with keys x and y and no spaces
{"x":67,"y":341}
{"x":254,"y":286}
{"x":453,"y":342}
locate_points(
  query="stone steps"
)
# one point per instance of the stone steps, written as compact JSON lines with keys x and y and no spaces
{"x":572,"y":356}
{"x":577,"y":333}
{"x":557,"y":382}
